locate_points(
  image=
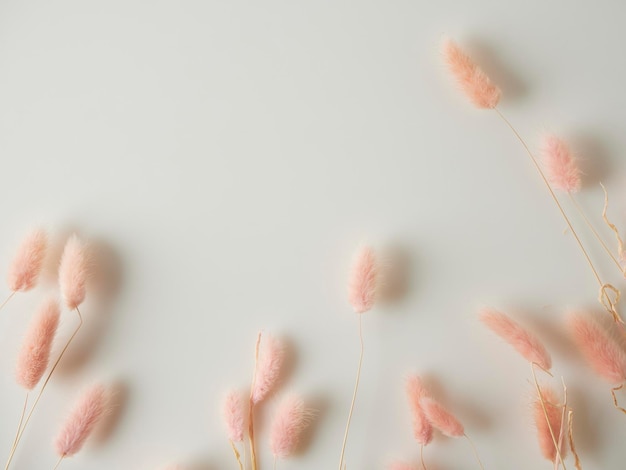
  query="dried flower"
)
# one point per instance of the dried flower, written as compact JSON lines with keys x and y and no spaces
{"x":28,"y":262}
{"x":363,"y":281}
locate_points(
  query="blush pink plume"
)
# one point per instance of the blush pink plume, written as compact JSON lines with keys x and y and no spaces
{"x":34,"y":355}
{"x":362,"y":287}
{"x":88,"y":411}
{"x":561,"y":167}
{"x":473,"y":81}
{"x":397,"y":465}
{"x":415,"y":391}
{"x":234,"y":415}
{"x":28,"y":262}
{"x":442,"y":419}
{"x":290,"y":419}
{"x":599,"y":347}
{"x":524,"y":342}
{"x":554,"y":412}
{"x":268,"y":369}
{"x":74,"y":271}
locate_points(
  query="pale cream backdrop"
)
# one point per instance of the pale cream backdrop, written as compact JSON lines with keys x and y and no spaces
{"x":227,"y":158}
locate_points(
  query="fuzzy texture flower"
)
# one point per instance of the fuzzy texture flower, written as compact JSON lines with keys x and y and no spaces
{"x":554,"y":411}
{"x":363,"y":280}
{"x":442,"y":419}
{"x":268,"y":368}
{"x":290,"y":419}
{"x":397,"y":465}
{"x":415,"y":391}
{"x":600,"y":349}
{"x":473,"y":81}
{"x":234,"y":415}
{"x":28,"y":262}
{"x":561,"y":167}
{"x":73,"y":272}
{"x":524,"y":342}
{"x":34,"y":355}
{"x":88,"y":411}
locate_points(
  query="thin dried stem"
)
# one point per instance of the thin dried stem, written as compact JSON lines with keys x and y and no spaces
{"x":613,"y":390}
{"x":562,"y":426}
{"x":253,"y":462}
{"x":6,"y":301}
{"x":606,"y":302}
{"x":475,"y":451}
{"x":43,"y":387}
{"x":59,"y":462}
{"x":570,"y":427}
{"x":422,"y":457}
{"x":545,"y":413}
{"x":356,"y":388}
{"x":237,"y":455}
{"x":19,"y":426}
{"x":582,"y":213}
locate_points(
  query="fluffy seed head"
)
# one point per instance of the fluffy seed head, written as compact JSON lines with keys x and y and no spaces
{"x":363,"y":280}
{"x":524,"y":342}
{"x":415,"y":391}
{"x":442,"y":419}
{"x":473,"y":81}
{"x":268,"y":368}
{"x":599,"y":347}
{"x":34,"y":355}
{"x":554,"y":411}
{"x":74,"y":271}
{"x":234,"y":415}
{"x":290,"y":419}
{"x":561,"y":167}
{"x":28,"y":262}
{"x":87,"y":412}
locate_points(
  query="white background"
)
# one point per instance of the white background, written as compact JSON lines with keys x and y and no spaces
{"x":227,"y":158}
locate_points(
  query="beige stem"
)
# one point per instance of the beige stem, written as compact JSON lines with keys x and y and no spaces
{"x":356,"y":388}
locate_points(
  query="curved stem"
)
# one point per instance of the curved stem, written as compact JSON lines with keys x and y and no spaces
{"x":608,"y":251}
{"x":557,"y":447}
{"x":237,"y":455}
{"x":609,"y":305}
{"x":570,"y":432}
{"x":422,"y":456}
{"x":613,"y":390}
{"x":19,"y":426}
{"x":43,"y":388}
{"x":475,"y":451}
{"x":356,"y":389}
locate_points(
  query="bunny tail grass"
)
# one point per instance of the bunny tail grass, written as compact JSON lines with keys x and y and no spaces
{"x":422,"y":429}
{"x":81,"y":422}
{"x":523,"y":341}
{"x":28,"y":262}
{"x":472,"y":80}
{"x":561,"y":166}
{"x":34,"y":355}
{"x":362,"y":286}
{"x":290,"y":419}
{"x":74,"y":271}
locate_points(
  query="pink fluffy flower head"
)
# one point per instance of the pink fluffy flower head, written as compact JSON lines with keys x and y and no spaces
{"x":34,"y":355}
{"x":28,"y":262}
{"x":473,"y":81}
{"x":268,"y":368}
{"x":524,"y":342}
{"x":290,"y":419}
{"x":599,"y":347}
{"x":561,"y":167}
{"x":234,"y":415}
{"x":74,"y":271}
{"x":554,"y":412}
{"x":363,"y":280}
{"x":88,"y":411}
{"x":442,"y":419}
{"x":416,"y":392}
